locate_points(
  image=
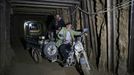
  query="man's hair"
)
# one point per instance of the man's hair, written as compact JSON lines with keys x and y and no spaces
{"x":68,"y":23}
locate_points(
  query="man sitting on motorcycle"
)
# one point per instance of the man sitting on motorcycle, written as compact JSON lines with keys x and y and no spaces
{"x":65,"y":40}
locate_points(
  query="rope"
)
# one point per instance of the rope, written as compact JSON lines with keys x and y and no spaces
{"x":116,"y":5}
{"x":120,"y":6}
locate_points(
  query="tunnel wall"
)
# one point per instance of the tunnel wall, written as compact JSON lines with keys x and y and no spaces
{"x":6,"y":53}
{"x":121,"y":21}
{"x":98,"y":18}
{"x":102,"y":34}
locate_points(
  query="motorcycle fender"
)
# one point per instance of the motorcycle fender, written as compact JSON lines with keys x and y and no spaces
{"x":77,"y":56}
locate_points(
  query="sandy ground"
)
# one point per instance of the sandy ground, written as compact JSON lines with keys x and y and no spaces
{"x":23,"y":64}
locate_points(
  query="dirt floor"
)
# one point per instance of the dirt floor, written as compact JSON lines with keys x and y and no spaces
{"x":23,"y":64}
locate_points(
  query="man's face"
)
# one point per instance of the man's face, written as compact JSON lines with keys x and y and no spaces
{"x":69,"y":26}
{"x":57,"y":17}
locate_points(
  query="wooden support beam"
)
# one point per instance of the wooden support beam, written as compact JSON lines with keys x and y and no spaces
{"x":55,"y":4}
{"x":6,"y":53}
{"x":93,"y":32}
{"x":110,"y":35}
{"x":34,"y":13}
{"x":36,"y":6}
{"x":131,"y":41}
{"x":92,"y":23}
{"x":50,"y":1}
{"x":115,"y":36}
{"x":40,"y":3}
{"x":40,"y":11}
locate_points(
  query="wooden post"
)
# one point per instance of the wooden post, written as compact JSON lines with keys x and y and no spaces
{"x":92,"y":20}
{"x":6,"y":53}
{"x":131,"y":41}
{"x":86,"y":25}
{"x":115,"y":36}
{"x":110,"y":35}
{"x":93,"y":31}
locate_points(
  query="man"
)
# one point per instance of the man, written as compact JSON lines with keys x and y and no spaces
{"x":65,"y":40}
{"x":56,"y":25}
{"x":66,"y":35}
{"x":59,"y":22}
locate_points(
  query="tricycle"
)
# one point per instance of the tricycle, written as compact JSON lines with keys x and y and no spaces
{"x":37,"y":41}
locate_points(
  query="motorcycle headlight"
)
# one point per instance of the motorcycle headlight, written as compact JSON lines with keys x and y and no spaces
{"x":78,"y":47}
{"x":43,"y":37}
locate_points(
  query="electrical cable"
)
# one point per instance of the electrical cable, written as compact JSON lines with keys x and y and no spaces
{"x":115,"y":5}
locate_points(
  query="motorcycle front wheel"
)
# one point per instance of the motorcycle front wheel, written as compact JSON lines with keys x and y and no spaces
{"x":36,"y":55}
{"x":85,"y":65}
{"x":50,"y":51}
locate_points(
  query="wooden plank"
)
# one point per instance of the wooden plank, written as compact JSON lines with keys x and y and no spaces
{"x":110,"y":35}
{"x":52,"y":1}
{"x":131,"y":41}
{"x":39,"y":3}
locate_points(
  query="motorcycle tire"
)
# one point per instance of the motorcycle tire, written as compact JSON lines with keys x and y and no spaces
{"x":84,"y":67}
{"x":37,"y":56}
{"x":50,"y":51}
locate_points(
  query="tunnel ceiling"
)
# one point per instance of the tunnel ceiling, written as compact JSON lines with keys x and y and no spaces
{"x":40,"y":6}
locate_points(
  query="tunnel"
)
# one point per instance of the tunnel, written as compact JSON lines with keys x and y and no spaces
{"x":43,"y":12}
{"x":108,"y":43}
{"x":23,"y":56}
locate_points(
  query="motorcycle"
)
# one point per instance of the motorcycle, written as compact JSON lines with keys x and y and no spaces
{"x":80,"y":55}
{"x":76,"y":57}
{"x":37,"y":47}
{"x":40,"y":46}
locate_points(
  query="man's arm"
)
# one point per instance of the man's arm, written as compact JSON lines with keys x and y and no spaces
{"x":76,"y":32}
{"x":60,"y":35}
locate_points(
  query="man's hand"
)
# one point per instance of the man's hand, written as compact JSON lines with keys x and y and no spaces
{"x":86,"y":34}
{"x":85,"y":30}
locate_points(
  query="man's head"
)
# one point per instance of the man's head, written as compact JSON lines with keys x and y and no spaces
{"x":69,"y":26}
{"x":58,"y":17}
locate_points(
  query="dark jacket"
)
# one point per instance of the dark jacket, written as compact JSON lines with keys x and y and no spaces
{"x":60,"y":23}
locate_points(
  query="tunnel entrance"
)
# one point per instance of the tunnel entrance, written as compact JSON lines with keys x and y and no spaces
{"x":41,"y":11}
{"x":44,"y":13}
{"x":23,"y":62}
